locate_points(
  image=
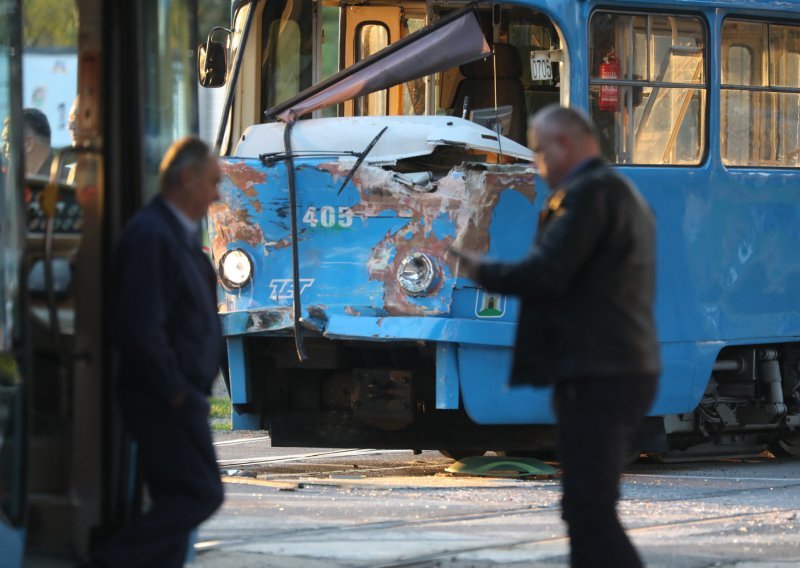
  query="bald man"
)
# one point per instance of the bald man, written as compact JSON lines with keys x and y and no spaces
{"x":586,"y":324}
{"x":170,"y":347}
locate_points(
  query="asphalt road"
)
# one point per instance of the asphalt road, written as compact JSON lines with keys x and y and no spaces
{"x":293,"y":507}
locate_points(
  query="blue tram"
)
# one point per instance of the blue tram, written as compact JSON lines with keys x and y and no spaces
{"x":361,"y":140}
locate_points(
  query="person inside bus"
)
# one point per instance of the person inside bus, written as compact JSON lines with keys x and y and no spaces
{"x":586,"y":324}
{"x":170,"y":347}
{"x":36,"y":142}
{"x":72,"y":121}
{"x":72,"y":126}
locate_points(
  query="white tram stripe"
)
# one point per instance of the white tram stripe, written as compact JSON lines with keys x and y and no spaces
{"x":713,"y":477}
{"x":304,"y":457}
{"x":239,"y":441}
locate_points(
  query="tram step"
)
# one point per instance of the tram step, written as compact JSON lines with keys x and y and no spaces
{"x":48,"y":465}
{"x":50,"y":522}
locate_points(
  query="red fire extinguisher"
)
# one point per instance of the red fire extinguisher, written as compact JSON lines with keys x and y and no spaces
{"x":609,"y":94}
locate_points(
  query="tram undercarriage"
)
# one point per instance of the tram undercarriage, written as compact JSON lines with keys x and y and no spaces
{"x":751,"y":404}
{"x":365,"y":394}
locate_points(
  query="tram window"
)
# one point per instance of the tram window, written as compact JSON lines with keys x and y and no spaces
{"x":737,"y":109}
{"x":514,"y":35}
{"x":370,"y":39}
{"x":287,"y":50}
{"x":529,"y":34}
{"x":784,"y":46}
{"x":760,"y":97}
{"x":414,"y":90}
{"x":655,"y":110}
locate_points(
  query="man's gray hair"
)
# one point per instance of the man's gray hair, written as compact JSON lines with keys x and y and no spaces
{"x":563,"y":118}
{"x":186,"y":152}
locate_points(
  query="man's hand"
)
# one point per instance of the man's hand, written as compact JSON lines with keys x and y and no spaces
{"x":468,"y":263}
{"x":179,"y":399}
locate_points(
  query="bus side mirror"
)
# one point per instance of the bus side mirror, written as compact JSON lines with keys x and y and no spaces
{"x":212,"y":64}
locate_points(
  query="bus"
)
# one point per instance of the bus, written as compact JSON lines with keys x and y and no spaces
{"x":360,"y":140}
{"x":68,"y":475}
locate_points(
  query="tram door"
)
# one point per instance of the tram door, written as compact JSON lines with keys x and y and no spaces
{"x":367,"y":30}
{"x":67,"y":475}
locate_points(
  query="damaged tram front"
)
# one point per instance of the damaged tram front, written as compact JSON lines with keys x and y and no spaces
{"x":346,"y":319}
{"x":362,"y":140}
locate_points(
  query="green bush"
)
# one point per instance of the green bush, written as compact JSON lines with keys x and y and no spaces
{"x":220,"y":414}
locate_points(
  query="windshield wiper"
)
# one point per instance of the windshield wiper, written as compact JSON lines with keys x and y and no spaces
{"x":271,"y":158}
{"x":360,"y":160}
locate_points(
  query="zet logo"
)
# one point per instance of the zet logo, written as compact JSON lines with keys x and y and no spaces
{"x":490,"y":305}
{"x":283,"y":288}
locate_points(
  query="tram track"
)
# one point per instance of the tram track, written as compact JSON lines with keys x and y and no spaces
{"x":420,"y":561}
{"x":298,"y":535}
{"x":706,"y":509}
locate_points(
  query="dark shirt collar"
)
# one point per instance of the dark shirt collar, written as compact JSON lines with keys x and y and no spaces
{"x":189,"y":226}
{"x":44,"y":169}
{"x":578,"y":169}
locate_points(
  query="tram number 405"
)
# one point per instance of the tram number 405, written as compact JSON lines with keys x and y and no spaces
{"x":328,"y":216}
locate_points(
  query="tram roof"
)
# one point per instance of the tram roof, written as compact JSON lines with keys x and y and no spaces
{"x":739,"y":5}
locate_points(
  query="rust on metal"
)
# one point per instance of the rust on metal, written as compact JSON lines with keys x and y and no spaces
{"x":468,"y":195}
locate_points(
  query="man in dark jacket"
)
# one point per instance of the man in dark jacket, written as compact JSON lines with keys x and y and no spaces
{"x":36,"y":142}
{"x":170,"y":347}
{"x":586,"y":323}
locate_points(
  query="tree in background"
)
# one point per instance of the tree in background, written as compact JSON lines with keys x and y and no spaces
{"x":212,"y":13}
{"x":53,"y":23}
{"x":49,"y":23}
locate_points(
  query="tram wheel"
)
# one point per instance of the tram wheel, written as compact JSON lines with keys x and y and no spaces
{"x":632,"y":456}
{"x":461,"y":454}
{"x":787,"y":447}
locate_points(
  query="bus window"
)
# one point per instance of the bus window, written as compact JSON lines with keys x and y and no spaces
{"x":169,"y":103}
{"x":370,"y":39}
{"x":648,"y":87}
{"x":760,"y":97}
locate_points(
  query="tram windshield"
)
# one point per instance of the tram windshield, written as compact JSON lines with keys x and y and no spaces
{"x":294,"y":48}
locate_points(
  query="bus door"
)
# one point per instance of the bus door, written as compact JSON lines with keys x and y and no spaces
{"x":13,"y":432}
{"x":367,"y":30}
{"x":67,"y":472}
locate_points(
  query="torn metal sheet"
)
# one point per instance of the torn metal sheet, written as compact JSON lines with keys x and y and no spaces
{"x":351,"y":244}
{"x":406,"y":137}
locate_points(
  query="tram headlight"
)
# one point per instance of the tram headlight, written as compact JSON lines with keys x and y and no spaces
{"x":417,"y":274}
{"x":235,"y":268}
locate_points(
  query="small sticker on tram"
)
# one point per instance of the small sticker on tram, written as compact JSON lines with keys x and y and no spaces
{"x":489,"y":305}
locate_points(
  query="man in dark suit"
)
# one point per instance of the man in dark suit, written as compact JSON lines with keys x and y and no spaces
{"x":36,"y":142}
{"x":170,"y":348}
{"x":586,"y":323}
